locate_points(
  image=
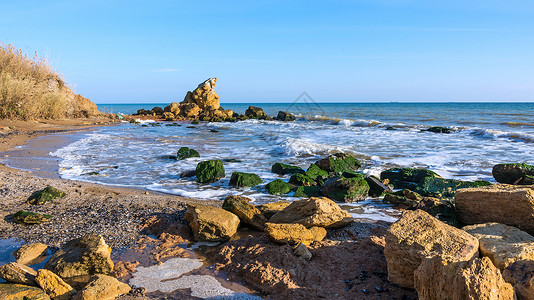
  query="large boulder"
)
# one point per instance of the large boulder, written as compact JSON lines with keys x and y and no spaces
{"x":294,"y":234}
{"x":240,"y":179}
{"x":506,"y":204}
{"x":445,"y":188}
{"x":13,"y":291}
{"x":346,"y":189}
{"x":209,"y":171}
{"x":307,"y":192}
{"x":189,"y":110}
{"x":282,"y":169}
{"x":441,"y":279}
{"x":87,"y":255}
{"x":186,"y":152}
{"x":102,"y":287}
{"x":521,"y":275}
{"x":29,"y":253}
{"x":211,"y":224}
{"x":313,"y":212}
{"x":18,"y":273}
{"x":47,"y":194}
{"x":254,"y":112}
{"x":53,"y":285}
{"x":503,"y":244}
{"x":339,"y":163}
{"x":246,"y":212}
{"x":278,"y":187}
{"x":173,"y":108}
{"x":417,"y":235}
{"x":204,"y":95}
{"x":521,"y":174}
{"x":406,"y":178}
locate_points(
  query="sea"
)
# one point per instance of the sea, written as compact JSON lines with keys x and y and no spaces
{"x":380,"y":135}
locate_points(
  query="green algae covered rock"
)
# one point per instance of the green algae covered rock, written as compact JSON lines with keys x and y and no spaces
{"x":301,"y":180}
{"x":346,"y":189}
{"x":49,"y":193}
{"x":278,"y":187}
{"x":240,"y":179}
{"x":315,"y":172}
{"x":338,"y":163}
{"x":307,"y":191}
{"x":445,"y":188}
{"x":30,"y":217}
{"x":406,"y":178}
{"x":282,"y":169}
{"x":209,"y":171}
{"x":441,"y":209}
{"x":185,"y":152}
{"x":521,"y":174}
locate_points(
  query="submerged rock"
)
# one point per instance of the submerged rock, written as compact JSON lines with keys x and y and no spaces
{"x":209,"y":171}
{"x":285,"y":116}
{"x":313,"y":212}
{"x":282,"y":169}
{"x":211,"y":224}
{"x":49,"y":193}
{"x":87,"y":255}
{"x":346,"y":189}
{"x":102,"y":287}
{"x":446,"y":188}
{"x":186,"y":152}
{"x":53,"y":285}
{"x":439,"y":129}
{"x":339,"y":163}
{"x":18,"y":273}
{"x":13,"y":291}
{"x":29,"y":253}
{"x":240,"y":179}
{"x":278,"y":187}
{"x":417,"y":235}
{"x":246,"y":212}
{"x":521,"y":174}
{"x":406,"y":178}
{"x":30,"y":217}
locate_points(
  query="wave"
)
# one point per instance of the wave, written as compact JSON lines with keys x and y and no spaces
{"x":493,"y":133}
{"x":299,"y":147}
{"x":516,"y":124}
{"x":341,"y":121}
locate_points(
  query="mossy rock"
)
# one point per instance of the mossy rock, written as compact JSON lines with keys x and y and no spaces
{"x":30,"y":217}
{"x":278,"y":187}
{"x":209,"y":171}
{"x":445,"y":188}
{"x":301,"y":180}
{"x":186,"y":152}
{"x":406,"y":178}
{"x":346,"y":189}
{"x":521,"y":174}
{"x":240,"y":179}
{"x":339,"y":163}
{"x":441,"y":209}
{"x":399,"y":198}
{"x":307,"y":192}
{"x":376,"y":187}
{"x":49,"y":193}
{"x":315,"y":172}
{"x":282,"y":169}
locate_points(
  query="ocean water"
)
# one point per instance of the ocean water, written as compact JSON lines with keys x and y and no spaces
{"x":131,"y":155}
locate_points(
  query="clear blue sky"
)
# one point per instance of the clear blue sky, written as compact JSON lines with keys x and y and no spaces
{"x":272,"y":51}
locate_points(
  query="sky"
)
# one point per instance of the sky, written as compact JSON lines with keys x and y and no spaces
{"x":273,"y":51}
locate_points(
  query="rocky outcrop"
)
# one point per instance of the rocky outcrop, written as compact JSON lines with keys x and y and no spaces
{"x":13,"y":291}
{"x":417,"y":235}
{"x":506,"y":204}
{"x":521,"y":275}
{"x":278,"y":187}
{"x":339,"y":163}
{"x":29,"y":253}
{"x":406,"y":178}
{"x":186,"y":152}
{"x":18,"y":273}
{"x":211,"y":224}
{"x":49,"y":193}
{"x":240,"y":179}
{"x":102,"y":287}
{"x":53,"y":285}
{"x":245,"y":211}
{"x":282,"y":169}
{"x":87,"y":255}
{"x":503,"y":244}
{"x":440,"y":279}
{"x":521,"y":174}
{"x":346,"y":189}
{"x":313,"y":212}
{"x":294,"y":234}
{"x":209,"y":171}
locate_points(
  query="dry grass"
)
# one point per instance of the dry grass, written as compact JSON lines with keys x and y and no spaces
{"x":31,"y":89}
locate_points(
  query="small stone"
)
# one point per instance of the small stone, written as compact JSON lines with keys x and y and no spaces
{"x":302,"y":251}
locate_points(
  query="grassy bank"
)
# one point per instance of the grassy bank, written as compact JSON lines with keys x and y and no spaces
{"x":31,"y":89}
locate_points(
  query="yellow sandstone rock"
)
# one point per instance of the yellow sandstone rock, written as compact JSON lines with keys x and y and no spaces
{"x":102,"y":287}
{"x":53,"y":285}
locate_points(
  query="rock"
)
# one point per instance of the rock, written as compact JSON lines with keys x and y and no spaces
{"x":506,"y":204}
{"x":211,"y":224}
{"x":246,"y":212}
{"x":189,"y":110}
{"x":278,"y":187}
{"x":442,"y":210}
{"x":18,"y":273}
{"x":313,"y":212}
{"x":255,"y":113}
{"x":29,"y":253}
{"x":12,"y":291}
{"x":269,"y":209}
{"x":186,"y":152}
{"x":398,"y":198}
{"x":438,"y":129}
{"x":204,"y":95}
{"x":141,"y":112}
{"x":285,"y":116}
{"x":30,"y":217}
{"x":411,"y":195}
{"x":406,"y":178}
{"x":47,"y":194}
{"x":240,"y":179}
{"x":338,"y":163}
{"x":302,"y":251}
{"x":307,"y":192}
{"x":521,"y":174}
{"x":102,"y":287}
{"x":282,"y":169}
{"x":346,"y":189}
{"x":209,"y":171}
{"x":376,"y":187}
{"x":314,"y":172}
{"x":503,"y":244}
{"x":157,"y":110}
{"x":446,"y":188}
{"x":301,"y":180}
{"x":292,"y":234}
{"x":318,"y":233}
{"x":173,"y":108}
{"x":188,"y":173}
{"x":521,"y":275}
{"x":53,"y":285}
{"x":169,"y":116}
{"x":87,"y":255}
{"x":437,"y":278}
{"x":417,"y":235}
